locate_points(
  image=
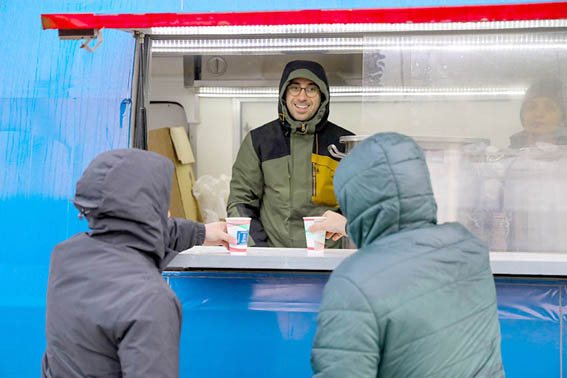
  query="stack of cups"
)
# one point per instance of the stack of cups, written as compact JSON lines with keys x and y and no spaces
{"x":238,"y":227}
{"x":315,"y":240}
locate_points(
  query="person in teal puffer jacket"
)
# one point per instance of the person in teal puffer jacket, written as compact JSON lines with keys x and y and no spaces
{"x":418,"y":298}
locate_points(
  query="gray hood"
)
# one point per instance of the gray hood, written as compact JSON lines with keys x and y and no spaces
{"x":124,"y":194}
{"x":383,"y":187}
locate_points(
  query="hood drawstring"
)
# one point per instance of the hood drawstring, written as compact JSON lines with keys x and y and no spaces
{"x":83,"y":212}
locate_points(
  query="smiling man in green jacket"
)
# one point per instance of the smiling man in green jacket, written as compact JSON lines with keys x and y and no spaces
{"x":418,"y":298}
{"x":283,"y":171}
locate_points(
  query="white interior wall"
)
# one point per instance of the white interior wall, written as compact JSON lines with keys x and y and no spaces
{"x":207,"y":135}
{"x":214,"y":135}
{"x":494,"y":120}
{"x":166,"y":84}
{"x":209,"y":124}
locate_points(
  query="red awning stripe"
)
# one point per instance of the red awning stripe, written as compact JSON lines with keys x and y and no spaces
{"x":514,"y":12}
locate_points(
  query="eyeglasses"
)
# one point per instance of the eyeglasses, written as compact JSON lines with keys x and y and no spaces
{"x":310,"y":90}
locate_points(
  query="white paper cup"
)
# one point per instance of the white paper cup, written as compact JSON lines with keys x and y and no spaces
{"x":238,"y":227}
{"x":315,"y":240}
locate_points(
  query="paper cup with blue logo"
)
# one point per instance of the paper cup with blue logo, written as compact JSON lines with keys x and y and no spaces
{"x":315,"y":240}
{"x":238,"y":227}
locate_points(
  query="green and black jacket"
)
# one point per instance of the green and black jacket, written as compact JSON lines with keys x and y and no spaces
{"x":284,"y":172}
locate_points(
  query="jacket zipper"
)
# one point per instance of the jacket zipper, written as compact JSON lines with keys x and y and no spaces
{"x":291,"y":188}
{"x":314,"y":169}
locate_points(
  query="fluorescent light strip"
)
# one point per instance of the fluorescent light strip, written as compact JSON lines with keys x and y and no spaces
{"x":249,"y":50}
{"x":237,"y":92}
{"x":252,"y":43}
{"x":368,"y":91}
{"x":455,"y":43}
{"x":355,"y":48}
{"x":355,"y":28}
{"x":395,"y":41}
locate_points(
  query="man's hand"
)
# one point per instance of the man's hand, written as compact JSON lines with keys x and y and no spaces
{"x":334,"y":225}
{"x":215,"y":234}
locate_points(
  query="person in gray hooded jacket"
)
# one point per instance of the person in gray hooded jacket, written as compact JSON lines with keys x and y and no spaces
{"x":110,"y":313}
{"x":418,"y":298}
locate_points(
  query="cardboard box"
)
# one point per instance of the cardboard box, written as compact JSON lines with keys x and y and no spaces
{"x":173,"y":143}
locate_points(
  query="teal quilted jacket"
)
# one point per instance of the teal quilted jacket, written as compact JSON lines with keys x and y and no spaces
{"x":417,"y":299}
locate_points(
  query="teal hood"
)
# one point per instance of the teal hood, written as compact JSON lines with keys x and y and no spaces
{"x":383,"y":187}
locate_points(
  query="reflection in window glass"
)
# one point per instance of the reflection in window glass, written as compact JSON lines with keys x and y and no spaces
{"x":489,"y":112}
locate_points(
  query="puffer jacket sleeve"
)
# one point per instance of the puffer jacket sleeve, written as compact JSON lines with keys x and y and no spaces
{"x":184,"y":234}
{"x":347,"y":340}
{"x":149,"y":340}
{"x":247,"y":190}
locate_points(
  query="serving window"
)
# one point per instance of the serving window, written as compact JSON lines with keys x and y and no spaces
{"x":484,"y":98}
{"x":462,"y":95}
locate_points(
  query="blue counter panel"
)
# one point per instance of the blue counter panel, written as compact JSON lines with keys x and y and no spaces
{"x":564,"y":328}
{"x":530,"y":321}
{"x":247,"y":325}
{"x":262,"y":325}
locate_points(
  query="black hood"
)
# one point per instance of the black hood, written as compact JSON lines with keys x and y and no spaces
{"x":316,"y":73}
{"x":124,"y":194}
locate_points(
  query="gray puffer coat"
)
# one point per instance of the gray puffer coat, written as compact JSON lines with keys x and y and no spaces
{"x":110,"y":313}
{"x":417,"y":299}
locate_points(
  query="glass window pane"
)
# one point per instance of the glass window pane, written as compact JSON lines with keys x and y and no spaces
{"x":488,"y":109}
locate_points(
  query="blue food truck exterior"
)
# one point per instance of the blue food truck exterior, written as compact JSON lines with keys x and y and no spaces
{"x":60,"y":106}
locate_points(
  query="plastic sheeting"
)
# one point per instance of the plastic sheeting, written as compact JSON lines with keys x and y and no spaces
{"x":212,"y":195}
{"x":532,"y":321}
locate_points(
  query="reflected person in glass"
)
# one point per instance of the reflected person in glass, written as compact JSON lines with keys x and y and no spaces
{"x":534,"y":183}
{"x":542,"y":115}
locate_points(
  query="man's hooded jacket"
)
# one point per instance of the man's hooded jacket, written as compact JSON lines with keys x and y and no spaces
{"x":283,"y":171}
{"x":417,"y":299}
{"x":109,"y":311}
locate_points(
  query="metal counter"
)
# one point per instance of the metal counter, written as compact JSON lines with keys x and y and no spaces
{"x":297,"y":259}
{"x":259,"y":259}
